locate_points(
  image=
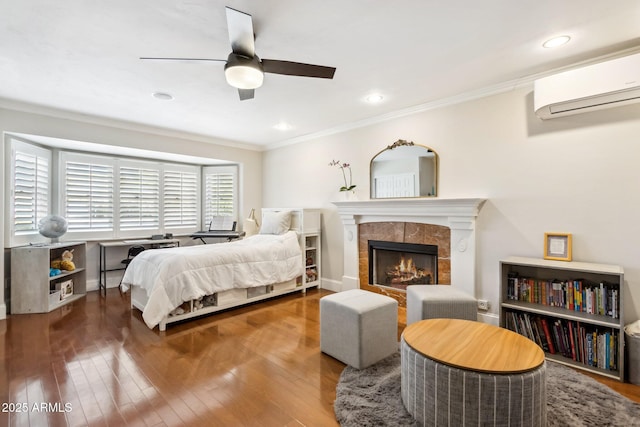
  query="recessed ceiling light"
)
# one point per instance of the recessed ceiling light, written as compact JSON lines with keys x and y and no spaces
{"x":163,"y":96}
{"x":282,"y":126}
{"x":374,"y":98}
{"x":556,"y":41}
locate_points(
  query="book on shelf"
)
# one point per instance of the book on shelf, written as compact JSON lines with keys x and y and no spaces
{"x":574,"y":295}
{"x":583,"y":343}
{"x":572,"y":340}
{"x":547,"y":333}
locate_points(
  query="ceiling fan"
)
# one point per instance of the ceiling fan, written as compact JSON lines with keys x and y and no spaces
{"x":244,"y":70}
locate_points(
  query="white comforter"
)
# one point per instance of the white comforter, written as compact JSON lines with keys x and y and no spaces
{"x":174,"y":275}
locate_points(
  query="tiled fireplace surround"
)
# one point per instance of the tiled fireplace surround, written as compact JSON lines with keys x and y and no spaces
{"x":447,"y":223}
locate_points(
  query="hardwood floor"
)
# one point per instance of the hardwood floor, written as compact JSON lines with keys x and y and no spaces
{"x":258,"y":365}
{"x":96,"y":363}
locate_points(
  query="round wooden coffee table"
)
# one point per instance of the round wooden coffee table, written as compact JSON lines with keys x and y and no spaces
{"x":460,"y":372}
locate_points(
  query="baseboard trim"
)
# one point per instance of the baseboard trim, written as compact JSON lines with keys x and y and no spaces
{"x":349,"y":283}
{"x":331,"y":285}
{"x":92,"y":285}
{"x":3,"y":311}
{"x":489,"y":318}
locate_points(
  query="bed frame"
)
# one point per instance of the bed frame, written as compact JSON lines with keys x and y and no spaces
{"x":302,"y":220}
{"x":220,"y":300}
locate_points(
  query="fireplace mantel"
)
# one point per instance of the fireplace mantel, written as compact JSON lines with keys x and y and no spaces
{"x":442,"y":210}
{"x":457,"y":214}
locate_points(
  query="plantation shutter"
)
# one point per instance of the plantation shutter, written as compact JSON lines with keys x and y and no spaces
{"x":88,"y":191}
{"x":139,"y":198}
{"x":180,"y":199}
{"x":31,"y":172}
{"x":220,"y":192}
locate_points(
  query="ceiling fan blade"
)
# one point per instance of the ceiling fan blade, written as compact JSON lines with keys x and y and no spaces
{"x":246,"y":94}
{"x":182,"y":59}
{"x":241,"y":36}
{"x":297,"y":69}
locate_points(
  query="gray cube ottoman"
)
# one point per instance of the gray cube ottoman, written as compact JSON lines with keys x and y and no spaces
{"x":439,"y":301}
{"x":358,"y":327}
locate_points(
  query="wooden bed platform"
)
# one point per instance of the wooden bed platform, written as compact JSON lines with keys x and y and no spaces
{"x":219,"y":301}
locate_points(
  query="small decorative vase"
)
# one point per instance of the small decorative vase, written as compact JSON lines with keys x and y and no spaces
{"x":348,"y":195}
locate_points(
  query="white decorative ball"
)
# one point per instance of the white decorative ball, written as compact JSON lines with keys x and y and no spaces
{"x":53,"y":226}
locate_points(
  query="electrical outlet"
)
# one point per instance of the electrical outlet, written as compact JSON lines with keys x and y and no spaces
{"x":483,"y":304}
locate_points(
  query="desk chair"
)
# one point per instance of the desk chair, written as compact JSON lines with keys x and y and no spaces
{"x":131,"y":254}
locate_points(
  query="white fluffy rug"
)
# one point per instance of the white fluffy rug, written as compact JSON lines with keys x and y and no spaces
{"x":371,"y":397}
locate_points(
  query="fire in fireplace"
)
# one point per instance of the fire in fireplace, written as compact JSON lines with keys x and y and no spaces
{"x":399,"y":265}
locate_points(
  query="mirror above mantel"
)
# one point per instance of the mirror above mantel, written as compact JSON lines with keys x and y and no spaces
{"x":404,"y":169}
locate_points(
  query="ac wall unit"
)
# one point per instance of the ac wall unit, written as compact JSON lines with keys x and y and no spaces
{"x":607,"y":84}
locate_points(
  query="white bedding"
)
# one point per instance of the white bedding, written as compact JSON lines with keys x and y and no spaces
{"x":174,"y":275}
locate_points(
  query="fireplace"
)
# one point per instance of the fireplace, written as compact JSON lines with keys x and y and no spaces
{"x":447,"y":223}
{"x":398,"y":265}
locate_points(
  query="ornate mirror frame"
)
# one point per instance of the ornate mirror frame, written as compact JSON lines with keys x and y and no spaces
{"x":404,"y":170}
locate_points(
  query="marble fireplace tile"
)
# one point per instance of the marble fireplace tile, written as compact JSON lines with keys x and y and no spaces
{"x":388,"y":231}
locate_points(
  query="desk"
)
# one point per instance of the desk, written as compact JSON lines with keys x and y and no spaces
{"x":229,"y":235}
{"x":462,"y":372}
{"x":153,"y":244}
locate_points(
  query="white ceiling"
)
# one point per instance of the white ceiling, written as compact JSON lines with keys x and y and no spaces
{"x":82,"y":56}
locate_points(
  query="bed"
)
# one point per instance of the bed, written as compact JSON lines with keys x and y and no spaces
{"x":175,"y":284}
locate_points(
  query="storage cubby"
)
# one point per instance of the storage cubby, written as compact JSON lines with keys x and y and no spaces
{"x":572,"y":310}
{"x":33,"y":290}
{"x":312,"y":259}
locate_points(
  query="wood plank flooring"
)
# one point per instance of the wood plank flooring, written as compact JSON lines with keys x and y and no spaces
{"x":96,"y":363}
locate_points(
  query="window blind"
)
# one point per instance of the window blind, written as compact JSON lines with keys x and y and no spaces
{"x":30,"y":187}
{"x":139,"y":198}
{"x":110,"y":197}
{"x":88,"y":191}
{"x":220,"y":192}
{"x":180,"y":199}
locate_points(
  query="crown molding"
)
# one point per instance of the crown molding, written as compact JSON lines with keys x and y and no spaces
{"x":515,"y":84}
{"x":24,"y":107}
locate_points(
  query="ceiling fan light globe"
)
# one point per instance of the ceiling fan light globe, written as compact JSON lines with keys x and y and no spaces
{"x":244,"y":76}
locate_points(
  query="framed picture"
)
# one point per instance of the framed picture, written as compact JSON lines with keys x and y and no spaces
{"x":557,"y":246}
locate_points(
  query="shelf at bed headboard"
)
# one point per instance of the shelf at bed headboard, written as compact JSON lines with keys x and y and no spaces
{"x":302,"y":220}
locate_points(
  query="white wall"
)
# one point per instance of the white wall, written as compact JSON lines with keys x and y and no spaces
{"x":577,"y":174}
{"x":123,"y":134}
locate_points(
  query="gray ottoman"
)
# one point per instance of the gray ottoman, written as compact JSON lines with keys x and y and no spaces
{"x":437,"y":394}
{"x":358,"y":327}
{"x":466,"y":373}
{"x":439,"y":301}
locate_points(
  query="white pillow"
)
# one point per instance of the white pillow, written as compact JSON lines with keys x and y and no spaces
{"x":275,"y":222}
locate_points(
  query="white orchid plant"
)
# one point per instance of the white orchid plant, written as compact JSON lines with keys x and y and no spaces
{"x":344,"y":168}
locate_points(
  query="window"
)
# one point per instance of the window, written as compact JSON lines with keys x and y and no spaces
{"x":139,"y":197}
{"x":29,"y":189}
{"x":221,"y":189}
{"x":88,"y":199}
{"x":180,"y":197}
{"x":105,"y":197}
{"x":126,"y":198}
